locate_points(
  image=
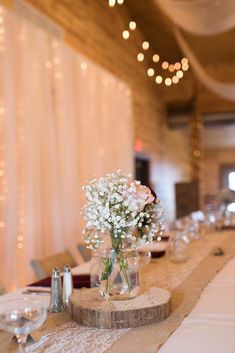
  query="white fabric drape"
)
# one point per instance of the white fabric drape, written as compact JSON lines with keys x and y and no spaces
{"x":63,"y":119}
{"x":225,"y":90}
{"x":201,"y":17}
{"x":204,"y":18}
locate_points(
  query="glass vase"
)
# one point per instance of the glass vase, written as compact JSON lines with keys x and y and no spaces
{"x":116,"y":273}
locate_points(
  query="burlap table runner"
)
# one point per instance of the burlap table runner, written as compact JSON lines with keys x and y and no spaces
{"x":148,"y":339}
{"x":185,"y":294}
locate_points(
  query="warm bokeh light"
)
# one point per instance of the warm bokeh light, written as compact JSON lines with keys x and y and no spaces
{"x":177,"y":66}
{"x":112,"y":3}
{"x":158,"y":79}
{"x":156,"y":58}
{"x":165,"y":65}
{"x":145,"y":45}
{"x":140,"y":57}
{"x":179,"y":74}
{"x":132,"y":25}
{"x":125,"y":34}
{"x":120,"y":2}
{"x":171,"y":68}
{"x":184,"y":61}
{"x":83,"y":66}
{"x":185,"y":67}
{"x":150,"y":72}
{"x":175,"y":79}
{"x":168,"y":81}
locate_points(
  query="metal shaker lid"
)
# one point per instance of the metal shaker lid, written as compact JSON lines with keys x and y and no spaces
{"x":56,"y":272}
{"x":67,"y":268}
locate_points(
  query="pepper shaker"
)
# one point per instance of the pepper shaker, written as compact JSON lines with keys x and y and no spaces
{"x":56,"y":301}
{"x":67,"y":285}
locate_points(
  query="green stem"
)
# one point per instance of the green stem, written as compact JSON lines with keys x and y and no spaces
{"x":123,"y":267}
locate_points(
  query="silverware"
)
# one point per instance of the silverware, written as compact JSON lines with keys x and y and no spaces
{"x":36,"y":291}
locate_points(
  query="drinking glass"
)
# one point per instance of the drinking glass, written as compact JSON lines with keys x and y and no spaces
{"x":178,"y":247}
{"x":21,"y":316}
{"x":144,"y":258}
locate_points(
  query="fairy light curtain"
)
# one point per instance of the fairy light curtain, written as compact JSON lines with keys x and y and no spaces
{"x":204,"y":18}
{"x":63,"y":119}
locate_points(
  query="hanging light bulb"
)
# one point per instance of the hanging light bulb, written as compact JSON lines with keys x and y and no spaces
{"x":132,"y":25}
{"x":165,"y":65}
{"x":112,"y":3}
{"x":156,"y":58}
{"x":158,"y":79}
{"x":168,"y":81}
{"x":150,"y":72}
{"x":140,"y":57}
{"x":125,"y":34}
{"x":145,"y":45}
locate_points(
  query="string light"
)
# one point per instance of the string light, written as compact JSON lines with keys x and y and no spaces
{"x":83,"y":66}
{"x":165,"y":65}
{"x":112,"y":3}
{"x":179,"y":74}
{"x":132,"y":25}
{"x":175,"y":79}
{"x":140,"y":57}
{"x":145,"y":45}
{"x":156,"y":58}
{"x":168,"y":81}
{"x":158,"y":79}
{"x":184,"y":61}
{"x":178,"y":67}
{"x":150,"y":72}
{"x":185,"y":67}
{"x":125,"y":34}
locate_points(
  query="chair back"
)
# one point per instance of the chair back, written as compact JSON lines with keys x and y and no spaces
{"x":2,"y":289}
{"x":85,"y":253}
{"x":43,"y":267}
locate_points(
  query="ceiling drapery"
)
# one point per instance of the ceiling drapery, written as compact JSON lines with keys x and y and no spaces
{"x":204,"y":18}
{"x":201,"y":17}
{"x":223,"y":89}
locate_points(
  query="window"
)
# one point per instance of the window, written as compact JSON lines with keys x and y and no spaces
{"x":231,"y":180}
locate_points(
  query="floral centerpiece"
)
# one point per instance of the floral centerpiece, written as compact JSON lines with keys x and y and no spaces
{"x":120,"y":214}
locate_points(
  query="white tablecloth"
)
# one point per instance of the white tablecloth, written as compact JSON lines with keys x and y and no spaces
{"x":210,"y":328}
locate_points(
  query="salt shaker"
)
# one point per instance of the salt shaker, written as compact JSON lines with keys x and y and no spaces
{"x":56,"y":301}
{"x":67,"y":285}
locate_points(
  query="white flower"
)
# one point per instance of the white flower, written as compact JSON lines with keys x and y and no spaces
{"x":118,"y":203}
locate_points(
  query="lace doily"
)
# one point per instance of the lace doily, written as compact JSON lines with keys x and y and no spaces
{"x":73,"y":338}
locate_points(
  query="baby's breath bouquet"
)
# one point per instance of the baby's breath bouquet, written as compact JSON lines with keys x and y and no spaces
{"x":130,"y":213}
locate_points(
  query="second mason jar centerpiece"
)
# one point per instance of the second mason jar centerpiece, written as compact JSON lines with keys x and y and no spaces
{"x":121,"y":215}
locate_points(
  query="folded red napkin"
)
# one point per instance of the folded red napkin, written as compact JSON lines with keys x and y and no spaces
{"x":156,"y":254}
{"x":79,"y":281}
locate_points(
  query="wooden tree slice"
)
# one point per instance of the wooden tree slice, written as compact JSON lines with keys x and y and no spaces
{"x":90,"y":309}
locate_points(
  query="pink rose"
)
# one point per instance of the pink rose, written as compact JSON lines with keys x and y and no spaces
{"x":142,"y":197}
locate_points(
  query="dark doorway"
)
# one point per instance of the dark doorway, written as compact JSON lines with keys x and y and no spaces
{"x":142,"y":173}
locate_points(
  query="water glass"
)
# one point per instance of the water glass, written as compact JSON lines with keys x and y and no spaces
{"x":20,"y":316}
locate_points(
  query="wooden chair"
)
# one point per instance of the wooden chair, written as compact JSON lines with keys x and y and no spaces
{"x":85,"y":253}
{"x":2,"y":289}
{"x":43,"y":267}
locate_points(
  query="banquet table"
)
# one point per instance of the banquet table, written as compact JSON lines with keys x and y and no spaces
{"x":209,"y":325}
